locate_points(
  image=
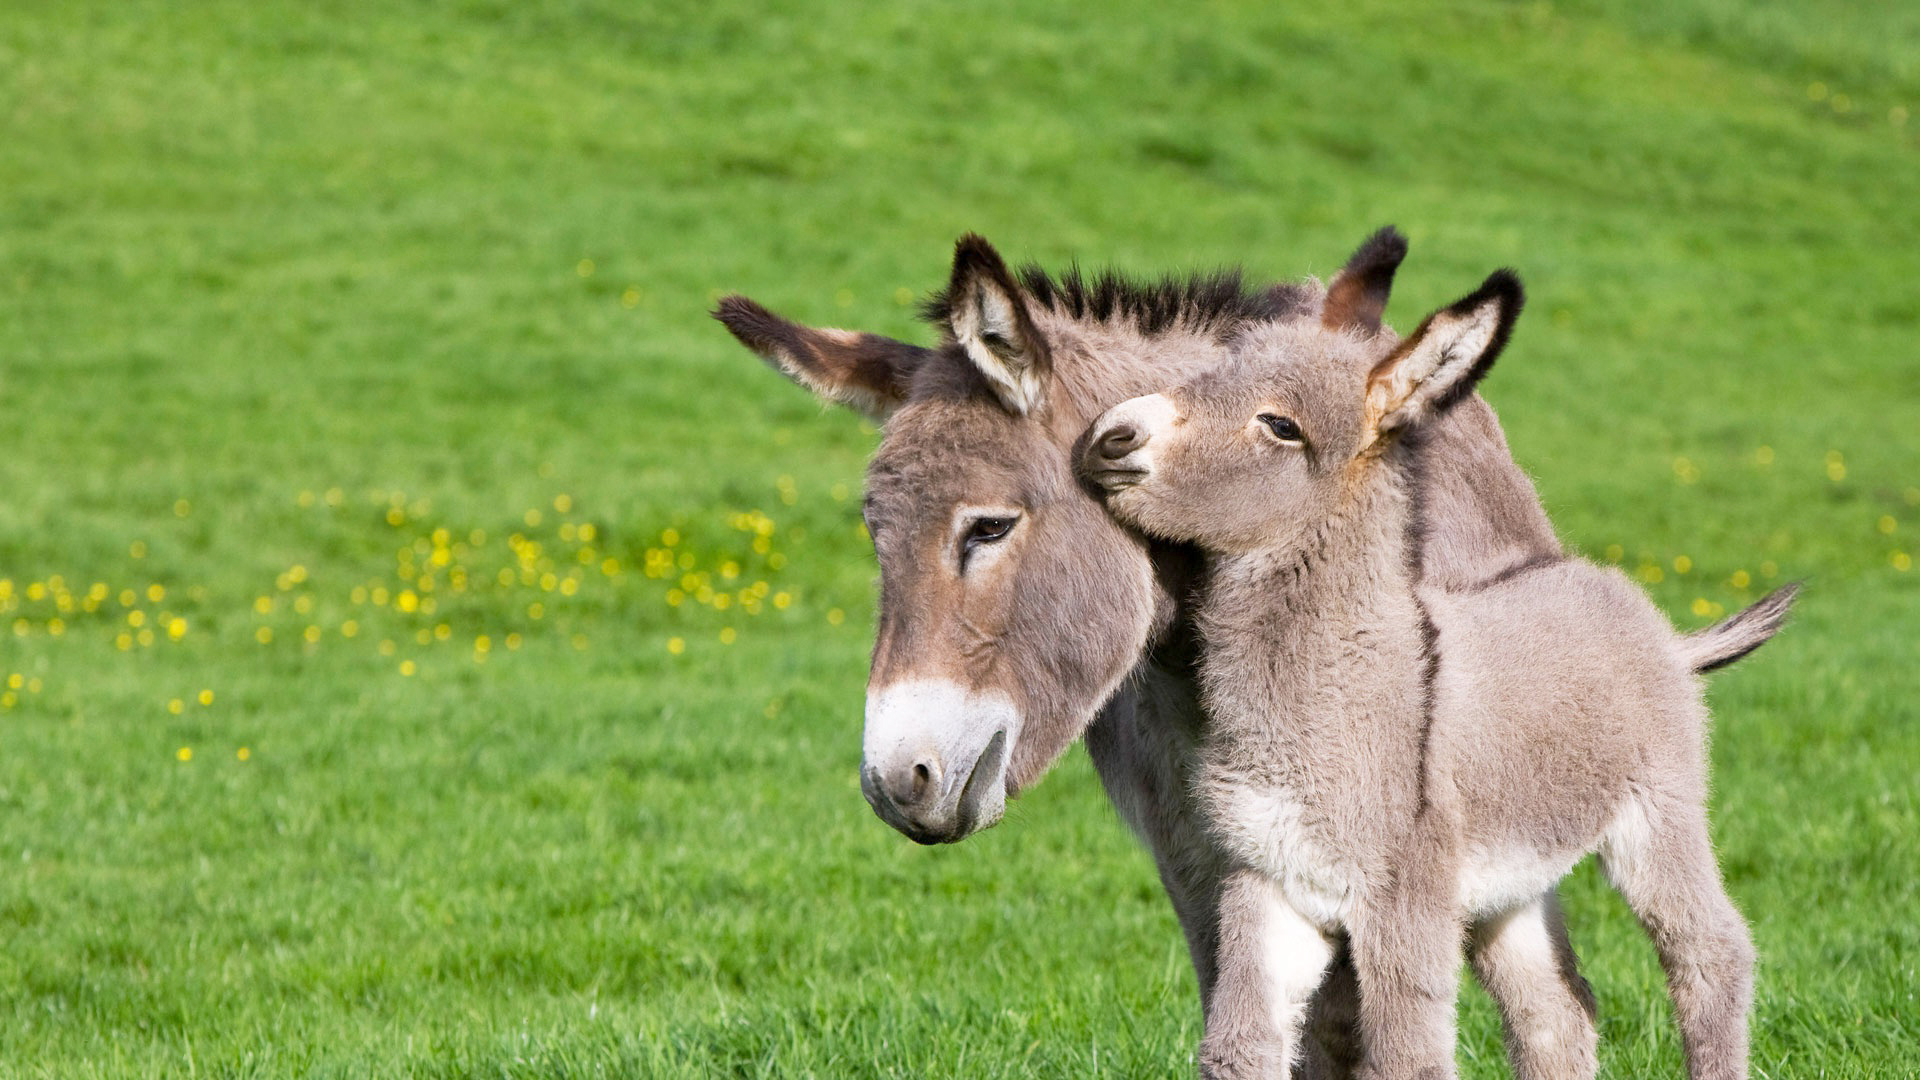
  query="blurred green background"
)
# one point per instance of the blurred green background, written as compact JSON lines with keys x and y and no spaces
{"x":432,"y":647}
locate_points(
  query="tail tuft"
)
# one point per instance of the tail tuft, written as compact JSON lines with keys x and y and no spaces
{"x":1740,"y":633}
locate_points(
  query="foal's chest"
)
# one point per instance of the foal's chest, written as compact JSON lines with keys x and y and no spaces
{"x":1267,"y":826}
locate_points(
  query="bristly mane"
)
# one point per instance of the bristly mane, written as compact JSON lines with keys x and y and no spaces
{"x":1203,"y":302}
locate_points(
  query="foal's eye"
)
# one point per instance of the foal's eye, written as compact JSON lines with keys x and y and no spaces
{"x":989,"y":530}
{"x":1283,"y":427}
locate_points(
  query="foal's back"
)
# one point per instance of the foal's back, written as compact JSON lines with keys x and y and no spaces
{"x":1479,"y":512}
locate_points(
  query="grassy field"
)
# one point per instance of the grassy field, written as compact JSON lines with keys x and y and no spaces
{"x":432,"y":647}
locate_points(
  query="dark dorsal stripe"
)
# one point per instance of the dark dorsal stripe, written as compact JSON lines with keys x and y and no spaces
{"x":1525,"y":566}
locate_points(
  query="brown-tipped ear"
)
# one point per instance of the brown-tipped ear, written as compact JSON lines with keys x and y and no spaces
{"x":1358,"y":296}
{"x":987,"y":314}
{"x":1441,"y":362}
{"x":866,"y":372}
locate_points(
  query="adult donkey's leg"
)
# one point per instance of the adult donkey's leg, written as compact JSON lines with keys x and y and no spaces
{"x":1526,"y":963}
{"x":1332,"y":1045}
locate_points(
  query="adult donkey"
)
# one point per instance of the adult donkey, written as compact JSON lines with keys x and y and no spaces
{"x":1016,"y":617}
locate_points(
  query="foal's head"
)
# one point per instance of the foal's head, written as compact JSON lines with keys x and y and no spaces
{"x":1254,"y":453}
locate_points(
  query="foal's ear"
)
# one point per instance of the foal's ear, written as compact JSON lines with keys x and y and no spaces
{"x":864,"y":371}
{"x":1440,"y":363}
{"x":987,"y":314}
{"x":1358,"y":296}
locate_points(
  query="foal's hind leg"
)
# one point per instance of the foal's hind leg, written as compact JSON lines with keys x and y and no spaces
{"x":1526,"y":964}
{"x":1660,"y":858}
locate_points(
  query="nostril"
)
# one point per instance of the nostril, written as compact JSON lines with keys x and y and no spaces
{"x":925,"y":776}
{"x":1120,"y":440}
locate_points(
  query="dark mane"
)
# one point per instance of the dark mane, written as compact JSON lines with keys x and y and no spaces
{"x":1209,"y":301}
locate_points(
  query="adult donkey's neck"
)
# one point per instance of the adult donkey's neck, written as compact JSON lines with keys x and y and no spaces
{"x":1110,"y":362}
{"x":1479,"y":514}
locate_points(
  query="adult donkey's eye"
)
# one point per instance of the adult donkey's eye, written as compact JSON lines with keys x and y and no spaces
{"x":988,"y":530}
{"x":982,"y":531}
{"x":1283,"y":427}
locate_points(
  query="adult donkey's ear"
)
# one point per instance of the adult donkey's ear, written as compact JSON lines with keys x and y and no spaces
{"x":864,"y":371}
{"x":1358,"y":296}
{"x":1443,"y":360}
{"x":987,"y":314}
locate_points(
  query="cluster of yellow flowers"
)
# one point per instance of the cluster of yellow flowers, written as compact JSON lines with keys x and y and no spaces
{"x":448,"y":588}
{"x":440,"y":576}
{"x":719,"y":587}
{"x":546,"y":569}
{"x":732,"y":581}
{"x":1833,"y":462}
{"x":54,"y":607}
{"x":16,"y":684}
{"x":1650,"y":569}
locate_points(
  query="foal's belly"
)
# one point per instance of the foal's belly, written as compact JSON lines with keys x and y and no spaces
{"x":1322,"y":877}
{"x":1494,"y":882}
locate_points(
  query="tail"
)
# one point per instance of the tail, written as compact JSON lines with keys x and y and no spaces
{"x":1738,"y":634}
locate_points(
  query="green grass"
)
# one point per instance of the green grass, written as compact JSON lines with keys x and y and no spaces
{"x":269,"y":273}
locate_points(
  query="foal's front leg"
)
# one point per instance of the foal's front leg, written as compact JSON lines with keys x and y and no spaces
{"x":1407,"y":954}
{"x":1270,"y":961}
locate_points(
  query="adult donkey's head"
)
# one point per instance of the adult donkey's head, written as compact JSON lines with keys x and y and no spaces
{"x":1011,"y":606}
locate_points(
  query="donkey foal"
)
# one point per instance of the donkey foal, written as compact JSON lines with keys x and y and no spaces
{"x":1403,"y":764}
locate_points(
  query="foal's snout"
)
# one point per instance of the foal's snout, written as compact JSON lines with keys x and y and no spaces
{"x":1116,"y":451}
{"x":1119,"y":440}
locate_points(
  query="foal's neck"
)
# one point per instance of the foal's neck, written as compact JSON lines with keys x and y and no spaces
{"x":1323,"y":638}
